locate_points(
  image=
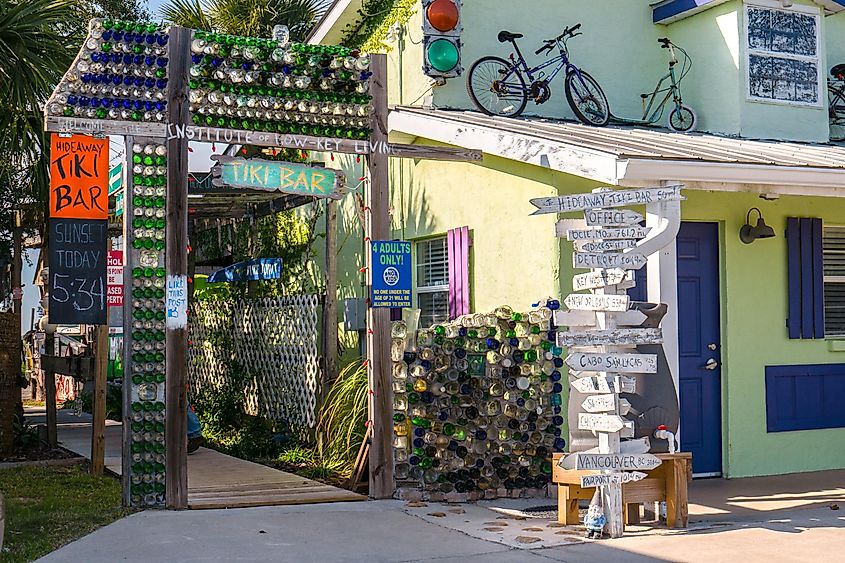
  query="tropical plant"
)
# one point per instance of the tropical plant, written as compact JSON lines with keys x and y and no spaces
{"x":254,"y":18}
{"x":343,"y":419}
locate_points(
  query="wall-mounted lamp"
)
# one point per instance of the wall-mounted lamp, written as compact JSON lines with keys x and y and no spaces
{"x":749,"y":234}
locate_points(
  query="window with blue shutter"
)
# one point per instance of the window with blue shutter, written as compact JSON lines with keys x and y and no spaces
{"x":805,"y":271}
{"x":804,"y":397}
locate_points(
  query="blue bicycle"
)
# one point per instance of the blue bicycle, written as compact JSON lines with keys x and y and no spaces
{"x":499,"y":87}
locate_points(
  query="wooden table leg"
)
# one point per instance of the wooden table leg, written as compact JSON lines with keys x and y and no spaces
{"x":632,"y":513}
{"x":567,"y":508}
{"x":677,"y":510}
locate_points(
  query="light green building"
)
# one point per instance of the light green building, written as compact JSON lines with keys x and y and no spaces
{"x":766,"y":318}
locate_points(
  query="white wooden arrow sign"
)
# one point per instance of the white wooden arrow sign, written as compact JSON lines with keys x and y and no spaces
{"x":628,"y":260}
{"x":605,"y":245}
{"x":611,"y":217}
{"x":619,"y":336}
{"x":601,"y":233}
{"x":621,"y":363}
{"x":605,"y":199}
{"x":600,"y":422}
{"x":611,"y":479}
{"x":604,"y":384}
{"x":617,"y":462}
{"x":595,"y":280}
{"x":588,"y":318}
{"x":638,"y":446}
{"x":599,"y":403}
{"x":589,"y":302}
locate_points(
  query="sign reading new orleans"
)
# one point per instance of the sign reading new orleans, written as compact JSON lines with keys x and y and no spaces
{"x":274,"y":176}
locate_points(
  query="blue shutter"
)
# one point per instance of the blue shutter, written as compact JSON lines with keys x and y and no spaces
{"x":805,"y":276}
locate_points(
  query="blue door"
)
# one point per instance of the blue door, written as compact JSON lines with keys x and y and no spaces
{"x":700,"y":346}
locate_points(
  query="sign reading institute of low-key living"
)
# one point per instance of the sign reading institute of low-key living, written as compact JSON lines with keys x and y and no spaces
{"x":274,"y":176}
{"x":79,"y":176}
{"x":391,"y":274}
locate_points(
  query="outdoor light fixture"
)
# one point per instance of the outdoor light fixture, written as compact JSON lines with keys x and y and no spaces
{"x":749,"y":234}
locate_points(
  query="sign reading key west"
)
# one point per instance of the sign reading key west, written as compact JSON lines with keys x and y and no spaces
{"x":276,"y":176}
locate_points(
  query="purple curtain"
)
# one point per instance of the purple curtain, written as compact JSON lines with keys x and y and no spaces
{"x":458,"y":247}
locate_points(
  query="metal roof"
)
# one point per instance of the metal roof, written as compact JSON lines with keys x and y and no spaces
{"x":625,"y":142}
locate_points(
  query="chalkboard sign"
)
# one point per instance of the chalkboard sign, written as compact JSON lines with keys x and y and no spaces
{"x":78,"y":271}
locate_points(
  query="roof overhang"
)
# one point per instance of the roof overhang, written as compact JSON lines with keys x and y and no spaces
{"x":330,"y":29}
{"x":668,"y":11}
{"x":620,"y":170}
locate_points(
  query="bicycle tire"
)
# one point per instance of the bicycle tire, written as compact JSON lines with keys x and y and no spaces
{"x":682,"y":119}
{"x":601,"y":118}
{"x":520,"y":97}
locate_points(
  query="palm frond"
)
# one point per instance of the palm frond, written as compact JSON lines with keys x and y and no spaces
{"x":189,"y":13}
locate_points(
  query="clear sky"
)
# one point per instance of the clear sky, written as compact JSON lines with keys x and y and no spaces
{"x":154,"y":6}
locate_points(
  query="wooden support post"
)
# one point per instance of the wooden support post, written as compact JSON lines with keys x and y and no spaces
{"x":128,"y":264}
{"x":377,"y":201}
{"x":330,"y":304}
{"x":611,"y":494}
{"x":98,"y":424}
{"x":176,"y":264}
{"x":50,"y":396}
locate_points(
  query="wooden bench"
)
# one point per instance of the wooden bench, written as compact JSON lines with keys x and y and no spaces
{"x":667,"y":483}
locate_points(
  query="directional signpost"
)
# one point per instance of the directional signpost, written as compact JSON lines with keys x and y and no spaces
{"x":611,"y":479}
{"x":609,"y":242}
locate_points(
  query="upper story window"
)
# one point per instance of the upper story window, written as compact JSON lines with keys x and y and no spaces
{"x":783,"y":59}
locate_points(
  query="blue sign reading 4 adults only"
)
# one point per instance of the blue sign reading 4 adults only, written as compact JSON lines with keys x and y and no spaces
{"x":391,"y":274}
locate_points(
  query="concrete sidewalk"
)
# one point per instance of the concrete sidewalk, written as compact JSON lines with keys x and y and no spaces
{"x":390,"y":531}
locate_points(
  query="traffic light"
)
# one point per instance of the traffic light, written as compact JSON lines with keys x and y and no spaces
{"x":442,"y":38}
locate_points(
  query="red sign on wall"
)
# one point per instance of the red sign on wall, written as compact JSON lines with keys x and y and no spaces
{"x":114,"y":266}
{"x":79,"y":175}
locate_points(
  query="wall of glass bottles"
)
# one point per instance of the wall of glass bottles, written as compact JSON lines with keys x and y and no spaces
{"x":477,"y":403}
{"x":145,"y":343}
{"x":280,"y":87}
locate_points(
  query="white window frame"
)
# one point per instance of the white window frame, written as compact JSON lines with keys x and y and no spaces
{"x":438,"y":288}
{"x":817,"y":59}
{"x":831,"y":279}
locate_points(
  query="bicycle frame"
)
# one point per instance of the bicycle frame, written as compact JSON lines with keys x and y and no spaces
{"x":673,"y":91}
{"x":519,"y":65}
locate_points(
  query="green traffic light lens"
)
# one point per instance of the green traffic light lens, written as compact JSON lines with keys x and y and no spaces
{"x":443,"y":55}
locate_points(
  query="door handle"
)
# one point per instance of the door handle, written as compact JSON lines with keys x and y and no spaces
{"x":711,"y":364}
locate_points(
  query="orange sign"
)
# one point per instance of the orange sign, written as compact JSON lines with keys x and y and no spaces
{"x":79,"y":174}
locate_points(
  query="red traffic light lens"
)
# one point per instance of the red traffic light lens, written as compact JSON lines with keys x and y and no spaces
{"x":442,"y":15}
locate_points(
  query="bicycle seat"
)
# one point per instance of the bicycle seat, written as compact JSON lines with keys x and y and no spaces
{"x":838,"y":70}
{"x":505,"y":36}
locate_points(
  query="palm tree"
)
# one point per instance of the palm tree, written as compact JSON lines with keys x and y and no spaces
{"x":34,"y":53}
{"x":254,"y":18}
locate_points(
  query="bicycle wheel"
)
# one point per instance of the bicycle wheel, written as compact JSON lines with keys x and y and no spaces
{"x":586,"y":99}
{"x":495,"y":89}
{"x":682,"y":118}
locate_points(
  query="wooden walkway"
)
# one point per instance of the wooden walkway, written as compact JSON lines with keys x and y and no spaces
{"x":215,"y":480}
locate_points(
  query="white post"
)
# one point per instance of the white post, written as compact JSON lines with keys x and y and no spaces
{"x":663,"y":279}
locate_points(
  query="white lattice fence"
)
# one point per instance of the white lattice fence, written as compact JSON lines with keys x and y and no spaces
{"x":272,"y":339}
